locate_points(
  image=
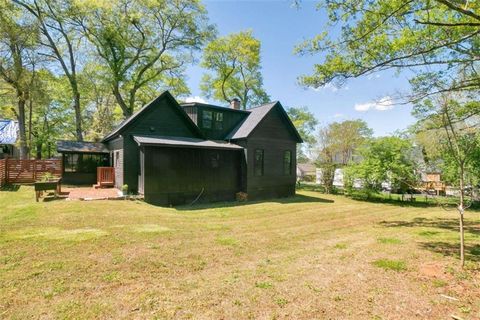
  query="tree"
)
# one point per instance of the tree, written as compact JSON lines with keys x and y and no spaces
{"x":234,"y":67}
{"x":376,"y":35}
{"x":454,"y":122}
{"x":337,"y":143}
{"x":385,"y":159}
{"x":305,"y":122}
{"x":18,"y":38}
{"x":145,"y":42}
{"x":61,"y":42}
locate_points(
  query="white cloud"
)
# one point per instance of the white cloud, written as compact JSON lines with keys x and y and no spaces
{"x":329,"y":86}
{"x":195,"y":99}
{"x":385,"y":103}
{"x":373,"y":76}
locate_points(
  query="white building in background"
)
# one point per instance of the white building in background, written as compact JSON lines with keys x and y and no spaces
{"x":337,"y":179}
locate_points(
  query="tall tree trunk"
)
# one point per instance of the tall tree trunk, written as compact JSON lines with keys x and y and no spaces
{"x":30,"y":112}
{"x":21,"y":126}
{"x":39,"y":150}
{"x":78,"y":115}
{"x":461,"y":210}
{"x":118,"y":96}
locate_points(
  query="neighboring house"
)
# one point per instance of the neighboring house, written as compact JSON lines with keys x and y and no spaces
{"x":306,"y":171}
{"x":337,"y":178}
{"x":174,"y":154}
{"x":8,"y":138}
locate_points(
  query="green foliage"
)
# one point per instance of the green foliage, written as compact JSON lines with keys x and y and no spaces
{"x":448,"y":132}
{"x":305,"y":123}
{"x":337,"y":144}
{"x":144,"y":45}
{"x":386,"y":159}
{"x":375,"y":35}
{"x":234,"y":67}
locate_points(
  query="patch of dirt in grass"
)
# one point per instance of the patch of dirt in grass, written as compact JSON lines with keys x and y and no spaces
{"x":433,"y":270}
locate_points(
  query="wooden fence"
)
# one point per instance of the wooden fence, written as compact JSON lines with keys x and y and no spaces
{"x":28,"y":171}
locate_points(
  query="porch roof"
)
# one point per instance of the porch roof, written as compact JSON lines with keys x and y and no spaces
{"x":184,"y":142}
{"x":65,"y":146}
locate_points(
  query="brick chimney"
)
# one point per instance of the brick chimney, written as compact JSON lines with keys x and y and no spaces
{"x":235,"y":104}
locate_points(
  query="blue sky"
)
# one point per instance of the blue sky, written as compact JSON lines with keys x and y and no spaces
{"x":280,"y":27}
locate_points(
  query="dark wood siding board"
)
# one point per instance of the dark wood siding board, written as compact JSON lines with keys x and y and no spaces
{"x":179,"y":175}
{"x":141,"y":174}
{"x":163,"y":119}
{"x":273,"y":126}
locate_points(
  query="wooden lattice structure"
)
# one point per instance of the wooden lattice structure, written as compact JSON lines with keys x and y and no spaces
{"x":28,"y":171}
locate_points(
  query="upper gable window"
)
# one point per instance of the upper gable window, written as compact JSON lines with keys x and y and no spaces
{"x":207,"y":119}
{"x":218,"y":120}
{"x":212,"y":120}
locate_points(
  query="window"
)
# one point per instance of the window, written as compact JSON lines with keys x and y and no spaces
{"x":207,"y":119}
{"x":287,"y":162}
{"x":258,"y":162}
{"x":212,"y":120}
{"x":218,"y":121}
{"x":84,"y":163}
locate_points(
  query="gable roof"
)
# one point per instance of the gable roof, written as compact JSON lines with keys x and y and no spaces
{"x":8,"y":131}
{"x":164,"y":95}
{"x":81,"y":147}
{"x":255,"y":117}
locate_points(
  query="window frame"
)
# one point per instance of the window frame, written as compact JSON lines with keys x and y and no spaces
{"x":205,"y":120}
{"x":287,"y":169}
{"x":259,"y":167}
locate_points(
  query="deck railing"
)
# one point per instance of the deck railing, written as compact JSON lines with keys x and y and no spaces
{"x":105,"y":176}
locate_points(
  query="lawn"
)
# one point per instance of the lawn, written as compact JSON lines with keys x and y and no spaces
{"x":312,"y":256}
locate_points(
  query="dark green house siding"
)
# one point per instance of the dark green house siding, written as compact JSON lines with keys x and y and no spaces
{"x":162,"y":118}
{"x":180,"y":175}
{"x":274,"y":137}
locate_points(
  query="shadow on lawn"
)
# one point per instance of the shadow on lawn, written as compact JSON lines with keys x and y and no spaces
{"x":10,"y":187}
{"x":472,"y":252}
{"x":441,"y":223}
{"x":299,"y":198}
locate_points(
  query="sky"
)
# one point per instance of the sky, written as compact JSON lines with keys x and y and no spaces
{"x":280,"y":27}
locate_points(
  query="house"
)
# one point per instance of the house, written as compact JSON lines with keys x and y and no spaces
{"x":8,"y":138}
{"x":306,"y":171}
{"x":175,"y":154}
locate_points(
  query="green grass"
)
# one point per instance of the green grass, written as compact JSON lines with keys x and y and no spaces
{"x":305,"y":257}
{"x":387,"y":264}
{"x":389,"y":240}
